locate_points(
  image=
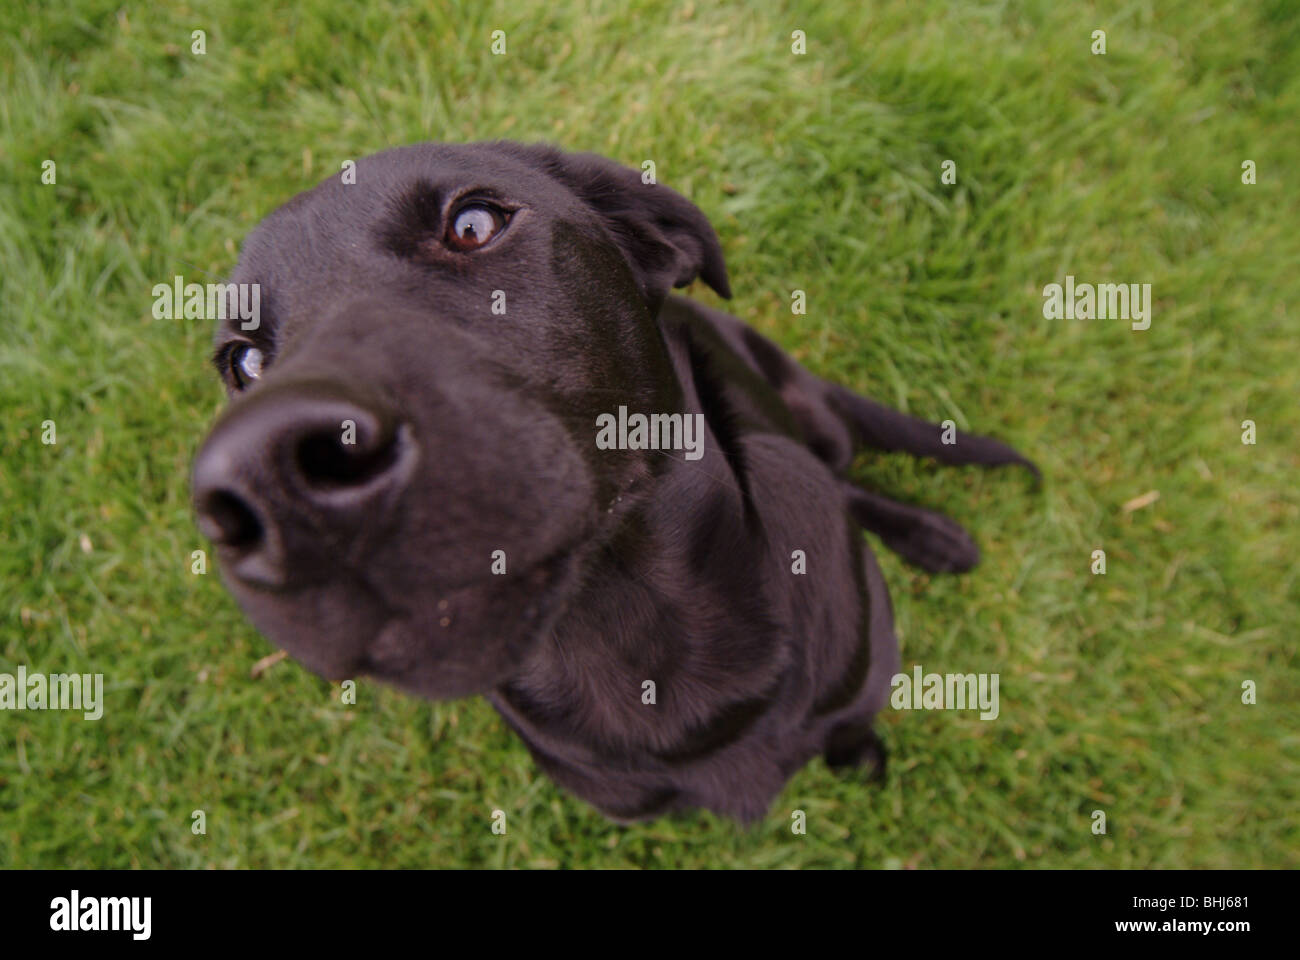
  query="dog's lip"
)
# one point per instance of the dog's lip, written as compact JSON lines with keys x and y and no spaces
{"x":540,"y":610}
{"x":271,"y":584}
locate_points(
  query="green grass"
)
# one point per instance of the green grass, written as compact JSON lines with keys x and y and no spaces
{"x":1120,"y":693}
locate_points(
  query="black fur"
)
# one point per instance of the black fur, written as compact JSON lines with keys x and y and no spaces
{"x":475,"y":433}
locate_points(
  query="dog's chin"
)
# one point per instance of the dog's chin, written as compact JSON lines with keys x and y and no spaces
{"x":475,"y":638}
{"x":430,"y":642}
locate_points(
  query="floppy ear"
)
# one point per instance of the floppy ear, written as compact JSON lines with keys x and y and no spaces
{"x":664,"y":237}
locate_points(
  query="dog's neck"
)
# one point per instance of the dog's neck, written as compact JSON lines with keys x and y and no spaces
{"x":674,"y":617}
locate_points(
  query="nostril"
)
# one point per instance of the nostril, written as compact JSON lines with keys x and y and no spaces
{"x":327,"y":462}
{"x":227,"y":520}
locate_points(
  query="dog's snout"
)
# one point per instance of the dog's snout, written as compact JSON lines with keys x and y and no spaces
{"x":290,"y":470}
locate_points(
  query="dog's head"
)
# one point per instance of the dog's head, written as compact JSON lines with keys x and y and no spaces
{"x":406,"y":482}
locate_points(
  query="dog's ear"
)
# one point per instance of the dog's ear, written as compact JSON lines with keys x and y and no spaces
{"x":665,"y":238}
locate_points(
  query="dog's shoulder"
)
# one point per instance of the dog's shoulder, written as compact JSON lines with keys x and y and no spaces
{"x":754,"y":375}
{"x":735,"y":394}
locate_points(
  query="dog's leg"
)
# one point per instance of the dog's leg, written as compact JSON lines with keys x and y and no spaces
{"x":855,"y":744}
{"x":834,"y":420}
{"x":922,"y":537}
{"x":884,"y":428}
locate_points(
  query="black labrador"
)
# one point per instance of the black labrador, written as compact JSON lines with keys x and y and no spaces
{"x":432,"y":472}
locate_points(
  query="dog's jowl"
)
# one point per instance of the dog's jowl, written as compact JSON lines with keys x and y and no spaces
{"x":408,"y":483}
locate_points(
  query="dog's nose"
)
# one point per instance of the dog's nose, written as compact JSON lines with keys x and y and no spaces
{"x":292,"y":472}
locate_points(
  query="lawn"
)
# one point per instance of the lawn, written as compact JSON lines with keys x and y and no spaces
{"x":822,"y":172}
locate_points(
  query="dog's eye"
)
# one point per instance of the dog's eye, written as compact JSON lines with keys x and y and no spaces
{"x":474,"y":225}
{"x":245,"y":364}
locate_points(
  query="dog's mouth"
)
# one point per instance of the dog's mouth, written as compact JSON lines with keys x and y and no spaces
{"x":435,"y":643}
{"x":485,"y":628}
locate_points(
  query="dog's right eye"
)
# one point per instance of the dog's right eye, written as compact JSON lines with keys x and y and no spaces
{"x":245,"y":364}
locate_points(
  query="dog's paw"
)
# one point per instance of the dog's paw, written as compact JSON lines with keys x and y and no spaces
{"x":856,"y":745}
{"x":935,"y":543}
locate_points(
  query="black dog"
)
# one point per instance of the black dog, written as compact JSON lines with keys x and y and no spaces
{"x":408,"y":483}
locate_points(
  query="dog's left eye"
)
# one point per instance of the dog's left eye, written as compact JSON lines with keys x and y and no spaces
{"x":474,"y":225}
